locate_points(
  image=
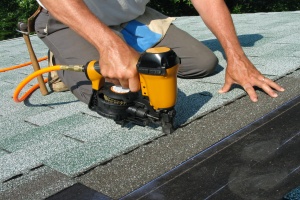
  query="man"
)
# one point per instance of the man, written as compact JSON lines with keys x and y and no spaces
{"x":77,"y":31}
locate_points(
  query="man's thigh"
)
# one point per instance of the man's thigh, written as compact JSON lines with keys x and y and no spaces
{"x":69,"y":49}
{"x":197,"y":60}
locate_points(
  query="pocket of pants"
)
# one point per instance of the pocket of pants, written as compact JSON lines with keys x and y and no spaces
{"x":54,"y":25}
{"x":40,"y":25}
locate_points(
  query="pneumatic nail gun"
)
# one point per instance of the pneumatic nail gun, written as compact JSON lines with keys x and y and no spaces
{"x":157,"y":68}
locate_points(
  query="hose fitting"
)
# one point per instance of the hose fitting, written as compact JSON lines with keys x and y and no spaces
{"x":75,"y":68}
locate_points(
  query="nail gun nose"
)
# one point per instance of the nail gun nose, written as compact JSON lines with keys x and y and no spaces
{"x":140,"y":112}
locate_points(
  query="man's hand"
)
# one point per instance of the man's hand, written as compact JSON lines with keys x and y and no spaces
{"x":118,"y":65}
{"x":117,"y":60}
{"x":241,"y":71}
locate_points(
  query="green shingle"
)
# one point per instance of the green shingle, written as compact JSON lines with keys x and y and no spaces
{"x":29,"y":157}
{"x":107,"y":146}
{"x":2,"y":153}
{"x":53,"y":131}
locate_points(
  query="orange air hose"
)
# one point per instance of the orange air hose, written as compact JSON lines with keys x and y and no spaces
{"x":28,"y":92}
{"x":77,"y":68}
{"x":22,"y":65}
{"x":28,"y":79}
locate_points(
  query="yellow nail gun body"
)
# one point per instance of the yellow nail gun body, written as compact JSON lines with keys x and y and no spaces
{"x":154,"y":104}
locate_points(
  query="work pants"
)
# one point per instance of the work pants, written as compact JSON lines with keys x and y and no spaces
{"x":69,"y":48}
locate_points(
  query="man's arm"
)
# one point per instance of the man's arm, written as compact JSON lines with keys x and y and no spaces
{"x":240,"y":70}
{"x":117,"y":59}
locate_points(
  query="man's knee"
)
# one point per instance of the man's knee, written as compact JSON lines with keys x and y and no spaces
{"x":199,"y":68}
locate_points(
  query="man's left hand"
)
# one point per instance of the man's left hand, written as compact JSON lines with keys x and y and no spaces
{"x":241,"y":71}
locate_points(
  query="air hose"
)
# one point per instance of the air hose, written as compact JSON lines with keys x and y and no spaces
{"x":22,"y":65}
{"x":77,"y":68}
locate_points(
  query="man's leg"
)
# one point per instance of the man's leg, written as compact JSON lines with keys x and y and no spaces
{"x":69,"y":49}
{"x":197,"y":60}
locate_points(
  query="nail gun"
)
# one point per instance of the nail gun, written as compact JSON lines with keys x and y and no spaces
{"x":154,"y":104}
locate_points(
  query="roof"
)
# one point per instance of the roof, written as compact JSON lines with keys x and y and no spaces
{"x":48,"y":143}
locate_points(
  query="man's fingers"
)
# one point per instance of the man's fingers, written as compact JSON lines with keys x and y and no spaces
{"x":268,"y":86}
{"x":114,"y":81}
{"x":134,"y":84}
{"x":273,"y":85}
{"x":250,"y":91}
{"x":226,"y":87}
{"x":264,"y":85}
{"x":124,"y":84}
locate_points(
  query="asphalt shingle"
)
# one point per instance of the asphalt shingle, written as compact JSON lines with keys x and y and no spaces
{"x":23,"y":160}
{"x":131,"y":171}
{"x":59,"y":131}
{"x":105,"y":146}
{"x":39,"y":184}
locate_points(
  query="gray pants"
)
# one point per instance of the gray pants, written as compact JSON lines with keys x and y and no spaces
{"x":69,"y":48}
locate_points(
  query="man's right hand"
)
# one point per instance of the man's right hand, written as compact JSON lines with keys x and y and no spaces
{"x":117,"y":59}
{"x":118,"y":64}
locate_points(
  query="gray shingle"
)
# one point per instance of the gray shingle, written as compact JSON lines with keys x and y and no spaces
{"x":63,"y":133}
